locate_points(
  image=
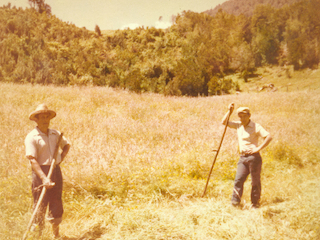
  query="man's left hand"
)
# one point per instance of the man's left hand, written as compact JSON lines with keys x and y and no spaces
{"x":253,"y":150}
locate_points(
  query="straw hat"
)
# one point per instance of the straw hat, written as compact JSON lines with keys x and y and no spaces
{"x":42,"y":108}
{"x":243,"y":110}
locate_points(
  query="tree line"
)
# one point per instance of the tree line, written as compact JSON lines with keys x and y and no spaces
{"x":193,"y":57}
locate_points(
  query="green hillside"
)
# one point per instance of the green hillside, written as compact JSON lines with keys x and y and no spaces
{"x":283,"y":79}
{"x":199,"y":55}
{"x":247,"y":7}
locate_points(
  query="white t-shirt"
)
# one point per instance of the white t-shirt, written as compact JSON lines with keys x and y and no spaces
{"x":248,"y":136}
{"x":41,"y":146}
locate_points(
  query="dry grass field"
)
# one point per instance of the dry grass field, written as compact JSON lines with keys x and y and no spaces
{"x":138,"y":165}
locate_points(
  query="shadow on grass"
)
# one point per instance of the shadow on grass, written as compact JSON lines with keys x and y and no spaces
{"x":94,"y":232}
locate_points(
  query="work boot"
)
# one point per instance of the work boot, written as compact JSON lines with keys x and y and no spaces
{"x":55,"y":229}
{"x":235,"y":204}
{"x":255,"y":206}
{"x":36,"y":230}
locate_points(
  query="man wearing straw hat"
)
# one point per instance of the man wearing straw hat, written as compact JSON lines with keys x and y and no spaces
{"x":250,"y":161}
{"x":40,"y":144}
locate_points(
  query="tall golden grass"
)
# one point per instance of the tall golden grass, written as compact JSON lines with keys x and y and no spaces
{"x":138,"y":165}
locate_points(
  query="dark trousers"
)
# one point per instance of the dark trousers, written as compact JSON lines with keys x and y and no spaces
{"x":248,"y":164}
{"x":52,"y":198}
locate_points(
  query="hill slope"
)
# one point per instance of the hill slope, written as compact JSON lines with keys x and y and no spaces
{"x":198,"y":55}
{"x":247,"y":7}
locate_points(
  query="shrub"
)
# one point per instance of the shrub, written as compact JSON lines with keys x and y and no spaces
{"x":284,"y":153}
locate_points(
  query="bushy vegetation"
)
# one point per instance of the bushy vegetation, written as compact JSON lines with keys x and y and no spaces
{"x":247,"y":7}
{"x":139,"y":163}
{"x":193,"y":57}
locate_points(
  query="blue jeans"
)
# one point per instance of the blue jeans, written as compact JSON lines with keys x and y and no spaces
{"x":248,"y":164}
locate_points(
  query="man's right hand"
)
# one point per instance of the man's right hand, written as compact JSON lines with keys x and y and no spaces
{"x":231,"y":107}
{"x":48,"y":183}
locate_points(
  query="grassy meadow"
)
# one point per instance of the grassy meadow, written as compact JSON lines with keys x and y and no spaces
{"x":284,"y":78}
{"x":139,"y":163}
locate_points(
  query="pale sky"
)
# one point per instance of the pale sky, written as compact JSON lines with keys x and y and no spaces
{"x":120,"y":14}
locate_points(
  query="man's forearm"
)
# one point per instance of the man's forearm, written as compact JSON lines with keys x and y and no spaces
{"x":65,"y":151}
{"x":37,"y":169}
{"x":266,"y":142}
{"x":225,"y":118}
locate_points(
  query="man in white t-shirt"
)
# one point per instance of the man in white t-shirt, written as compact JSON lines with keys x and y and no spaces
{"x":40,"y":145}
{"x":250,"y":161}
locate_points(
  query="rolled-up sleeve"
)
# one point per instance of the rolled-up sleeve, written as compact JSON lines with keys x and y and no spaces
{"x":31,"y":149}
{"x":233,"y":124}
{"x":262,"y":132}
{"x":64,"y":142}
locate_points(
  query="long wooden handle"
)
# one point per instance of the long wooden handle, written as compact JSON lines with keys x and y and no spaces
{"x":217,"y":152}
{"x":55,"y":154}
{"x":44,"y":189}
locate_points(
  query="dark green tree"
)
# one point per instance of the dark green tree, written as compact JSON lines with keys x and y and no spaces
{"x":265,"y":41}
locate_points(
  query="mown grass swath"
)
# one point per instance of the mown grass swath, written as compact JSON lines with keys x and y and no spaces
{"x":139,"y":162}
